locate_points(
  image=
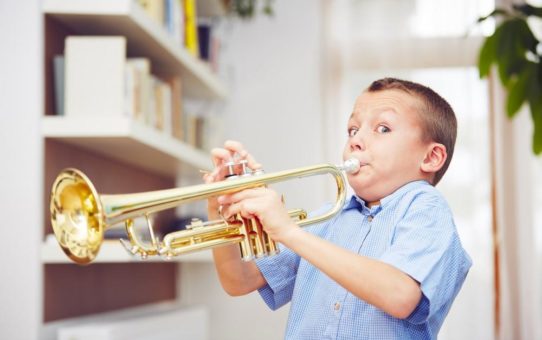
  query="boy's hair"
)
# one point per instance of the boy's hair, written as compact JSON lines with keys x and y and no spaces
{"x":439,"y":123}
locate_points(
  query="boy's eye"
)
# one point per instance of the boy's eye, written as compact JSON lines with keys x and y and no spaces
{"x":352,"y":132}
{"x":382,"y":129}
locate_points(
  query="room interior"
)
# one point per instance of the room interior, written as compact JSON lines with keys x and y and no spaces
{"x":284,"y":85}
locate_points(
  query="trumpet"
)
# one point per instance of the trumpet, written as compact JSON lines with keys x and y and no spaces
{"x":80,"y":216}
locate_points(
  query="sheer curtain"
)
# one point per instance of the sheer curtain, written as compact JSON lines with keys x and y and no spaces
{"x":424,"y":41}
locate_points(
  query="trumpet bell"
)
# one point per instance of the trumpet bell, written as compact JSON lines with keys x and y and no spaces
{"x":77,"y":216}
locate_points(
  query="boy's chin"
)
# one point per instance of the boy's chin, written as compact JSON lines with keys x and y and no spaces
{"x":368,"y":196}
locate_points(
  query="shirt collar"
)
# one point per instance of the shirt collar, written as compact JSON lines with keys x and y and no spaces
{"x":356,"y":202}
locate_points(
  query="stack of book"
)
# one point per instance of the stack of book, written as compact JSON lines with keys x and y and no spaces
{"x":94,"y":78}
{"x":180,"y":19}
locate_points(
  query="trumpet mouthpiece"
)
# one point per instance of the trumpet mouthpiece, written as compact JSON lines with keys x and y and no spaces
{"x":351,"y":166}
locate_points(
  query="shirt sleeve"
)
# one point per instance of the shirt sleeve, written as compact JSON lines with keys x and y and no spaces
{"x":280,"y":272}
{"x":425,"y":245}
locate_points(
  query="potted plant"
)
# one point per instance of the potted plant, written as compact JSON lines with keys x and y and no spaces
{"x":517,"y":53}
{"x":246,"y":9}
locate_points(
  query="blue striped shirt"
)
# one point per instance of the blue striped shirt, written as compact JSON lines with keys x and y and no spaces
{"x":413,"y":230}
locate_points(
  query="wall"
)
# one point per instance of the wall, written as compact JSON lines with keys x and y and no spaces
{"x":273,"y":66}
{"x":21,"y":104}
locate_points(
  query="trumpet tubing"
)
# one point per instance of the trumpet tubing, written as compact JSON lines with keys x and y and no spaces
{"x":80,"y":216}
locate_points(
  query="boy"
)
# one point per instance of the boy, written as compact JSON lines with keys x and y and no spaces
{"x":391,"y":263}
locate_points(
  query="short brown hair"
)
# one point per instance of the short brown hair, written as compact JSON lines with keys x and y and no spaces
{"x":439,"y":123}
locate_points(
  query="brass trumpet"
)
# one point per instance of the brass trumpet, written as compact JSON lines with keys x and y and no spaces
{"x":80,"y":216}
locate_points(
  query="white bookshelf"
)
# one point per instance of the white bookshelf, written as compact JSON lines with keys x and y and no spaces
{"x":124,"y":139}
{"x":145,"y":38}
{"x":112,"y":251}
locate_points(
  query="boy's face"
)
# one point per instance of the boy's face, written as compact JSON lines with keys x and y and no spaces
{"x":385,"y":134}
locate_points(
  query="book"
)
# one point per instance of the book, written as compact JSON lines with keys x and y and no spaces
{"x":162,"y":92}
{"x":139,"y":70}
{"x":176,"y":108}
{"x":94,"y":75}
{"x":194,"y":126}
{"x":204,"y":36}
{"x":174,"y":16}
{"x":58,"y":74}
{"x":173,"y":122}
{"x":191,"y":27}
{"x":155,"y":9}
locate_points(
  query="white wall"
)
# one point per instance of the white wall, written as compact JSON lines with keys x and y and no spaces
{"x":21,"y":105}
{"x":273,"y":67}
{"x":274,"y":73}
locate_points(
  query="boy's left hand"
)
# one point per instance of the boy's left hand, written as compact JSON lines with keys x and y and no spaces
{"x":264,"y":204}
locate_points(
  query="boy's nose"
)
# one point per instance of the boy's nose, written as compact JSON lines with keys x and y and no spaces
{"x":357,"y":143}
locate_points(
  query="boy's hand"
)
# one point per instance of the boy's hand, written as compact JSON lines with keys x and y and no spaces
{"x":264,"y":204}
{"x":232,"y":151}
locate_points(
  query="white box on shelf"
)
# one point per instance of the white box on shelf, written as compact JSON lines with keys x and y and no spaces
{"x":161,"y":321}
{"x":94,"y":75}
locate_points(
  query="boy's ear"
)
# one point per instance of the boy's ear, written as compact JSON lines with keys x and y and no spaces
{"x":435,"y":158}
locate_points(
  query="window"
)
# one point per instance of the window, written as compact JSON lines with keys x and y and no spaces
{"x":423,"y":41}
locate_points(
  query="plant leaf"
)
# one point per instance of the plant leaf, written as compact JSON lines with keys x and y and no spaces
{"x":537,"y":134}
{"x":528,"y":10}
{"x":535,"y":105}
{"x":505,"y":48}
{"x":517,"y":91}
{"x":511,"y":53}
{"x":487,"y":55}
{"x":525,"y":37}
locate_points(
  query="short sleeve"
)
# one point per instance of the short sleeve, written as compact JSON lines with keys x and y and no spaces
{"x":280,"y":272}
{"x":425,"y":245}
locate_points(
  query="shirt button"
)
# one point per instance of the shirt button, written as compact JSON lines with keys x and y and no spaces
{"x":337,"y":306}
{"x":370,"y":218}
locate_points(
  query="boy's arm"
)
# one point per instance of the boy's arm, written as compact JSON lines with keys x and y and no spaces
{"x":373,"y":281}
{"x":236,"y":276}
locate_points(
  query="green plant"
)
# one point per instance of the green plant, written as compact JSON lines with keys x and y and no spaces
{"x":246,"y":9}
{"x":517,"y":53}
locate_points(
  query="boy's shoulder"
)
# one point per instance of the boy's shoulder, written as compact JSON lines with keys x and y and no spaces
{"x":421,"y":195}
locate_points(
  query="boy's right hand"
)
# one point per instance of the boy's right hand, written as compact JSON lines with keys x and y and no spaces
{"x":232,"y":151}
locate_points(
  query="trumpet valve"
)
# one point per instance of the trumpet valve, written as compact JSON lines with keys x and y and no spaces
{"x":231,"y":169}
{"x":194,"y":223}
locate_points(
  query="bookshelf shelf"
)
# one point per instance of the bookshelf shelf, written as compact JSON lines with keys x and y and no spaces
{"x":126,"y":140}
{"x":112,"y":251}
{"x":145,"y":38}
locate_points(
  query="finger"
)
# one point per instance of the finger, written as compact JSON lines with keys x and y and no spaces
{"x":237,"y":147}
{"x":220,"y":155}
{"x":244,"y":208}
{"x":241,"y":195}
{"x":252,"y":163}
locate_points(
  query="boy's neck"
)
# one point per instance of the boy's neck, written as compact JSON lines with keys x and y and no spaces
{"x":372,"y":204}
